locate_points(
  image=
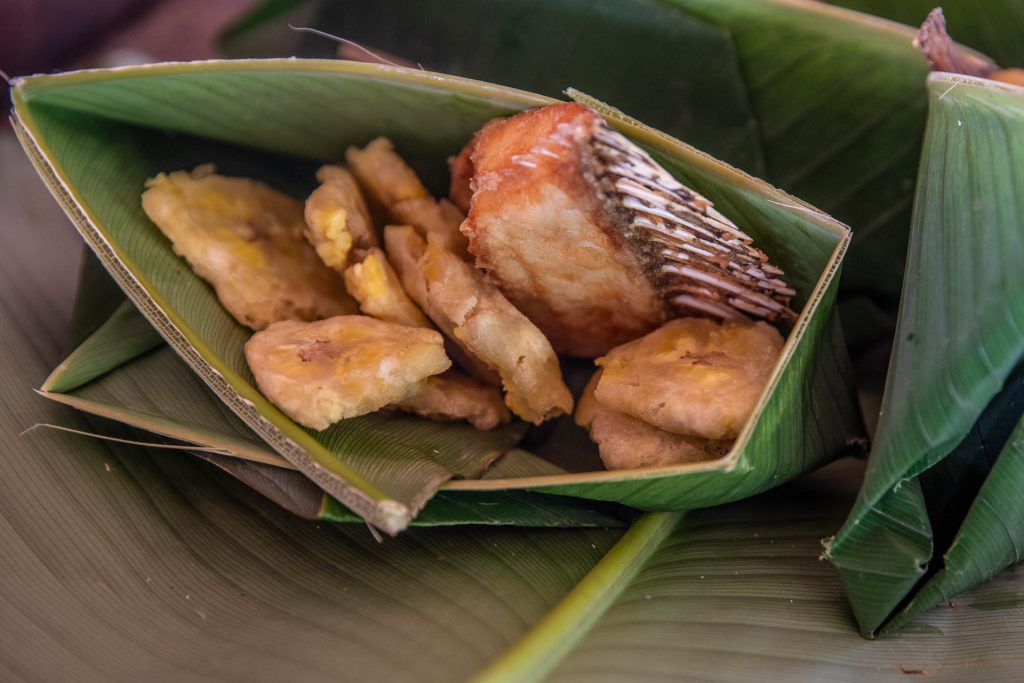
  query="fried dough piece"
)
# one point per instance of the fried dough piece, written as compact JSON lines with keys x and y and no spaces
{"x":383,"y":174}
{"x":375,"y":285}
{"x":398,"y":192}
{"x":454,"y":396}
{"x":692,"y":376}
{"x":482,"y":320}
{"x":493,"y":330}
{"x":594,"y":241}
{"x":625,"y":442}
{"x":329,"y":370}
{"x":440,"y":218}
{"x":406,"y":250}
{"x":245,"y":239}
{"x":338,"y":220}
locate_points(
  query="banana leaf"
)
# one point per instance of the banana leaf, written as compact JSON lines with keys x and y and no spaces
{"x":824,"y":103}
{"x":95,"y":136}
{"x":931,"y":519}
{"x":123,"y":563}
{"x":991,"y":26}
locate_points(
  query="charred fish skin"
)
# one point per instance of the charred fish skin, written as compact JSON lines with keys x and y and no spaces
{"x":702,"y":263}
{"x":596,"y":242}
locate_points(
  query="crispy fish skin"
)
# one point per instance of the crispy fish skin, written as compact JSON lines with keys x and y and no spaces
{"x":540,"y":228}
{"x":483,"y":322}
{"x":246,"y":240}
{"x":625,"y":442}
{"x":692,"y":376}
{"x":321,"y":372}
{"x":375,"y":285}
{"x":454,"y":396}
{"x":338,"y":222}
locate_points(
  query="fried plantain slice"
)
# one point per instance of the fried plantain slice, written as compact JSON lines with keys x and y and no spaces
{"x":338,"y":221}
{"x":626,"y":442}
{"x":245,"y":239}
{"x":441,"y":218}
{"x":375,"y":285}
{"x":397,"y":191}
{"x":478,"y":316}
{"x":384,"y":175}
{"x":692,"y":376}
{"x":454,"y":396}
{"x":329,"y":370}
{"x":406,"y":250}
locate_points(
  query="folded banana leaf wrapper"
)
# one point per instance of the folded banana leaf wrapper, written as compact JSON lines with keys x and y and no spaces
{"x":941,"y":509}
{"x":96,"y":136}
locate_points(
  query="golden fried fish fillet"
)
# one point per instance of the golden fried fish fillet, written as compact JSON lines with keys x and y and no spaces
{"x":338,"y":221}
{"x":692,"y":376}
{"x":626,"y":442}
{"x":324,"y":371}
{"x":594,"y":241}
{"x":245,"y":239}
{"x":375,"y":285}
{"x":481,"y":319}
{"x":454,"y":396}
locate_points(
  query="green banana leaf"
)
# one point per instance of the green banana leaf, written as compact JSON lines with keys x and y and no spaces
{"x":122,"y":563}
{"x":991,"y":26}
{"x":95,"y":136}
{"x":824,"y":103}
{"x":959,"y":339}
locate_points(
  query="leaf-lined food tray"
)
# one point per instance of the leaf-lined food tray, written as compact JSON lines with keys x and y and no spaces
{"x":96,"y":136}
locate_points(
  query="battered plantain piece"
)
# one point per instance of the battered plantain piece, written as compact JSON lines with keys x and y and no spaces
{"x":626,"y":442}
{"x":397,"y":191}
{"x":375,"y":285}
{"x":594,"y":241}
{"x":245,"y":239}
{"x":384,"y":175}
{"x":454,"y":396}
{"x":434,"y":218}
{"x":338,"y":221}
{"x":692,"y":376}
{"x":406,"y":250}
{"x":483,"y":322}
{"x":329,"y":370}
